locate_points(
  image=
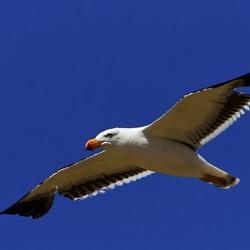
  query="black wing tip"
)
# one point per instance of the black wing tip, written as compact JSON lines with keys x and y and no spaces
{"x":35,"y":208}
{"x":245,"y":83}
{"x":11,"y":212}
{"x":246,"y":79}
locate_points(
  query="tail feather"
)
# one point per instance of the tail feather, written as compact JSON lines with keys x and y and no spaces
{"x":222,"y":182}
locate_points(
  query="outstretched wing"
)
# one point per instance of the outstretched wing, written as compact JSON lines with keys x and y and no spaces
{"x":80,"y":180}
{"x":202,"y":115}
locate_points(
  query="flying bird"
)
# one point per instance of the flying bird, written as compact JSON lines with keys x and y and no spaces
{"x":168,"y":145}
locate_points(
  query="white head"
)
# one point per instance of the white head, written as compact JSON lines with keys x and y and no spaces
{"x":107,"y":137}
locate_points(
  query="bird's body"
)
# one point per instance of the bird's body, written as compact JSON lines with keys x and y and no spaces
{"x":157,"y":154}
{"x":168,"y":157}
{"x":168,"y":145}
{"x":161,"y":155}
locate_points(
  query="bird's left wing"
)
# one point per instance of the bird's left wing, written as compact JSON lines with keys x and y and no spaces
{"x":80,"y":180}
{"x":200,"y":116}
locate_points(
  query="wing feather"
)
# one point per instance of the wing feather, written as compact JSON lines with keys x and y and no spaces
{"x":202,"y":115}
{"x":85,"y":178}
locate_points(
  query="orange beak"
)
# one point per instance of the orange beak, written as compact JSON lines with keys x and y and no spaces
{"x":93,"y":144}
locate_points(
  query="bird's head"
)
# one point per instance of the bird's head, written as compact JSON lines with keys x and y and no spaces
{"x":107,"y":137}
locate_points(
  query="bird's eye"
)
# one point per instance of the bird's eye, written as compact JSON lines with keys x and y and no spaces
{"x":109,"y":135}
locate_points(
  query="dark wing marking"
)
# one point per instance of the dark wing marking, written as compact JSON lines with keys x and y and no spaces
{"x":35,"y":208}
{"x":202,"y":115}
{"x":100,"y":185}
{"x":80,"y":180}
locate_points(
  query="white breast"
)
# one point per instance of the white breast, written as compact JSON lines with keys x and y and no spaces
{"x":164,"y":156}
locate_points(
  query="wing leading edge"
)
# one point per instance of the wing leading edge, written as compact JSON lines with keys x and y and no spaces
{"x":80,"y":180}
{"x":202,"y":115}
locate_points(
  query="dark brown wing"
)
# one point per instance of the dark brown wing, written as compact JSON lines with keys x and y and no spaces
{"x":80,"y":180}
{"x":200,"y":116}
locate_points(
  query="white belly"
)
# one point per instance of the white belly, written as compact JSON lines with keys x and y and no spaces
{"x":167,"y":157}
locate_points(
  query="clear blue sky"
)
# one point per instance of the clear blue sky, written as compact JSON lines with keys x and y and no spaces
{"x":70,"y":69}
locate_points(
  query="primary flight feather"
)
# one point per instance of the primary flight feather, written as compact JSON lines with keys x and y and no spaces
{"x":168,"y":145}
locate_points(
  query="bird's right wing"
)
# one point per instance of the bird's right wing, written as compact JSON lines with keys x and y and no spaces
{"x":80,"y":180}
{"x":202,"y":115}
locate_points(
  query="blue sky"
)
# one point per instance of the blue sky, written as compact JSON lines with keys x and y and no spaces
{"x":70,"y":69}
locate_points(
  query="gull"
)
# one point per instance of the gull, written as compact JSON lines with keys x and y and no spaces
{"x":168,"y":145}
